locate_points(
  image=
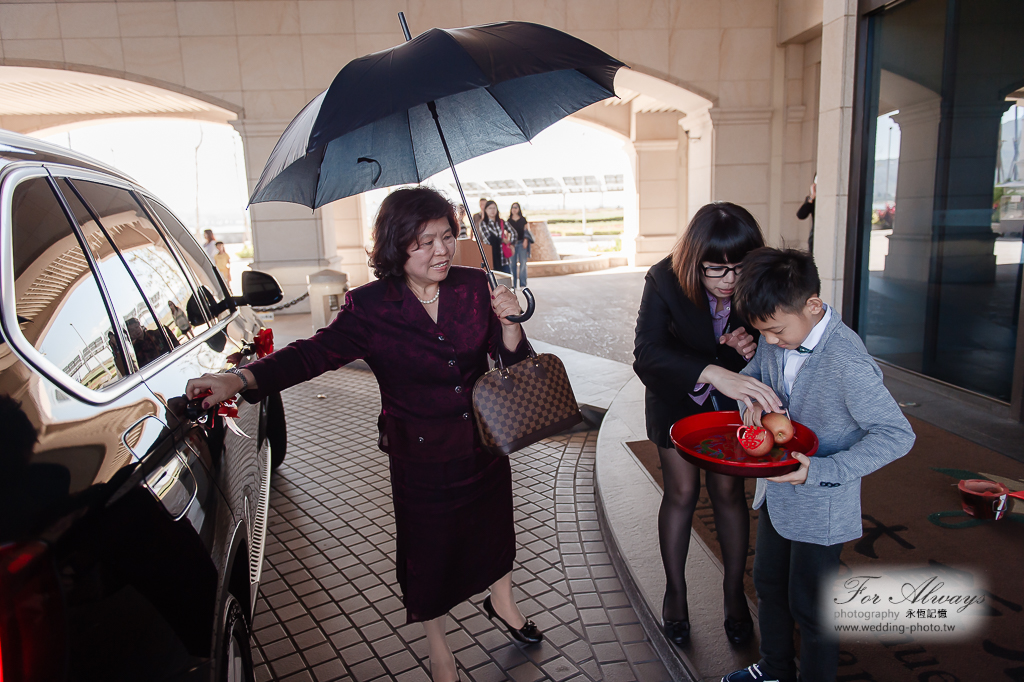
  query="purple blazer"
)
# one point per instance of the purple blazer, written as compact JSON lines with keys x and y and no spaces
{"x":426,"y":371}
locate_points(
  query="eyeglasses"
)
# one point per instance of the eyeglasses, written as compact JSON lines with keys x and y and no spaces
{"x":719,"y":271}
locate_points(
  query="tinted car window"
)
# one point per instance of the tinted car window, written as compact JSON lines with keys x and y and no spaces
{"x":148,"y":332}
{"x":195,"y":258}
{"x":59,"y":305}
{"x":148,"y":258}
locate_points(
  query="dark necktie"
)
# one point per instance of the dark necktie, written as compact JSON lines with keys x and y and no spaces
{"x":802,"y":350}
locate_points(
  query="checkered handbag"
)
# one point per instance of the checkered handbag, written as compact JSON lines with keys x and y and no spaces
{"x":522,"y":404}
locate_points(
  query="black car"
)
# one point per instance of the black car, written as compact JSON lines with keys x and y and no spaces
{"x":132,"y":523}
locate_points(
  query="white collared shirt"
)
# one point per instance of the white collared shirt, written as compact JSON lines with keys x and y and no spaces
{"x":793,"y":360}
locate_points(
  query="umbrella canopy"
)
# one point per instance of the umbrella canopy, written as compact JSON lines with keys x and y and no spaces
{"x":494,"y":86}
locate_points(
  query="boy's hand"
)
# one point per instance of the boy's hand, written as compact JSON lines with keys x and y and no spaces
{"x":741,"y":341}
{"x":795,"y":477}
{"x":752,"y":415}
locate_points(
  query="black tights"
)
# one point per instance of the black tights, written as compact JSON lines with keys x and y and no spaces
{"x":728,"y":501}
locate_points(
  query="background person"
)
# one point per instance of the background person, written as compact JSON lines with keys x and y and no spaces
{"x":210,"y":245}
{"x":463,"y":227}
{"x":690,"y":345}
{"x":426,"y":330}
{"x":807,"y":210}
{"x":180,"y":320}
{"x":495,"y":232}
{"x":222,"y":259}
{"x":521,"y":249}
{"x":479,"y":215}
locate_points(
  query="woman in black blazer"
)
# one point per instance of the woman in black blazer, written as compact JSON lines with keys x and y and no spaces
{"x":688,"y":351}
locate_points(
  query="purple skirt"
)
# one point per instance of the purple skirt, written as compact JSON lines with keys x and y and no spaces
{"x":455,"y":533}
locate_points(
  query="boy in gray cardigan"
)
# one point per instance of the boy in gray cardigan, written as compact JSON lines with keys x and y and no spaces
{"x":823,"y":373}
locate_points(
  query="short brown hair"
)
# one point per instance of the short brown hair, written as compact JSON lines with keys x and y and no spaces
{"x":775,"y":280}
{"x":720,"y":232}
{"x":401,"y":215}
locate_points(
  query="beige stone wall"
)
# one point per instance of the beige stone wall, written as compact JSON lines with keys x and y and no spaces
{"x":725,"y":103}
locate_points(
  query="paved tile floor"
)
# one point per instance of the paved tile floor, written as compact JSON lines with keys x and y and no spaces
{"x":330,"y":606}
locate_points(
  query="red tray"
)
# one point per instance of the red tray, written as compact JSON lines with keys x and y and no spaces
{"x":708,"y":440}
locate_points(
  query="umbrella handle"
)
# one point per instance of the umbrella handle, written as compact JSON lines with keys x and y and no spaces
{"x":531,"y":303}
{"x":530,"y":306}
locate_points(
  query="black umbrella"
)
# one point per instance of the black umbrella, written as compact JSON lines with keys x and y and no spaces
{"x":401,"y":115}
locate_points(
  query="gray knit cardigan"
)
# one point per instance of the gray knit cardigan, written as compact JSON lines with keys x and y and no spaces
{"x":838,"y":394}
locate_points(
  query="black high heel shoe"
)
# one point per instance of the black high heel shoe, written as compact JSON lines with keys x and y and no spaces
{"x":678,"y":632}
{"x":528,"y":634}
{"x":739,"y":632}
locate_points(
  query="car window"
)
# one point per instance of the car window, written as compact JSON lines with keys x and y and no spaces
{"x":149,"y":327}
{"x":195,"y":259}
{"x":149,"y":258}
{"x":59,"y":305}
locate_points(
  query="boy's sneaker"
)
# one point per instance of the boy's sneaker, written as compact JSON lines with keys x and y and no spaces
{"x":750,"y":674}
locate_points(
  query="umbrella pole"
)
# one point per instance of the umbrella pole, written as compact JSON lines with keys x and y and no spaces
{"x":530,"y":303}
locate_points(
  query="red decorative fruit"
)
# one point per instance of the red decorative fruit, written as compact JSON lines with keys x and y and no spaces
{"x":754,"y":440}
{"x":779,"y":425}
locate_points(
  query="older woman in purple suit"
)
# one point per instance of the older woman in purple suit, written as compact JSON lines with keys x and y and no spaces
{"x":425,"y":328}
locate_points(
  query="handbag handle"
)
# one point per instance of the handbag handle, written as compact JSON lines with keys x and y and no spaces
{"x":501,"y":363}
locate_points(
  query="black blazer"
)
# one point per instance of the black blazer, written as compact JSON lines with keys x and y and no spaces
{"x":675,"y":341}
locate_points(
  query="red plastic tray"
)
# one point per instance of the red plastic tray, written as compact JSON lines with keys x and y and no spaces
{"x":708,"y":440}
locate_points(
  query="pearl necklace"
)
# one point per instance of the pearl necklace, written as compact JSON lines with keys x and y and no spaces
{"x":431,"y":300}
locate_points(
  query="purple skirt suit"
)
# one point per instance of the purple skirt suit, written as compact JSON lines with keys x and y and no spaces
{"x":452,"y":499}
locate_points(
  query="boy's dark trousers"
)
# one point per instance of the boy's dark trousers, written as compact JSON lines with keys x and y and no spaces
{"x":787,"y":576}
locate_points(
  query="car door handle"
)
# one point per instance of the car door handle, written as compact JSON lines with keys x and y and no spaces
{"x":173,"y":485}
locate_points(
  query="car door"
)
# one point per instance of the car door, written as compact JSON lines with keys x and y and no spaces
{"x":97,"y":504}
{"x":216,"y":340}
{"x":247,"y":470}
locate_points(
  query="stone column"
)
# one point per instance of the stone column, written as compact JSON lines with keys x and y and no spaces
{"x":351,"y":227}
{"x":835,"y":134}
{"x":742,"y":153}
{"x":699,"y":160}
{"x":910,"y":244}
{"x":289,"y":241}
{"x":656,"y":141}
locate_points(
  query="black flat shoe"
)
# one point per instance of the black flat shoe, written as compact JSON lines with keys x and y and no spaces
{"x":678,"y":632}
{"x":739,"y":632}
{"x":528,"y":634}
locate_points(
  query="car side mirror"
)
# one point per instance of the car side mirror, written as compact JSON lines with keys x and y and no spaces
{"x":259,"y":289}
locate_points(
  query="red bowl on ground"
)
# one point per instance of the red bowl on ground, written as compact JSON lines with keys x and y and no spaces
{"x":708,"y":440}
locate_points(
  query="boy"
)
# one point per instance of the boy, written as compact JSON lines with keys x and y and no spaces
{"x":821,"y":370}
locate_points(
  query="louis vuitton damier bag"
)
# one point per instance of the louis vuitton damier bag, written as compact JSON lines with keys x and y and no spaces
{"x":522,"y":404}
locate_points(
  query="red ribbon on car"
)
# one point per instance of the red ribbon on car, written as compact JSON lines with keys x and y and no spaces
{"x":264,"y":342}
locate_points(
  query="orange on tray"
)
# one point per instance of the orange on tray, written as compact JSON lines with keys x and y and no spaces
{"x":708,"y":440}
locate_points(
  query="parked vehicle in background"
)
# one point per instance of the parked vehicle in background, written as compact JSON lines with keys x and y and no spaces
{"x":132,"y":523}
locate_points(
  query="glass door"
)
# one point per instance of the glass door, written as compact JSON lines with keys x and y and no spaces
{"x":943,"y":210}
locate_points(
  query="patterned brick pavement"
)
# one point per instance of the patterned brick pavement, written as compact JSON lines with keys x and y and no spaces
{"x":330,"y":606}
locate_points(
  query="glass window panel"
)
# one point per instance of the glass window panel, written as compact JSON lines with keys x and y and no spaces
{"x":59,"y":305}
{"x":150,"y":338}
{"x":941,"y":284}
{"x":195,"y":259}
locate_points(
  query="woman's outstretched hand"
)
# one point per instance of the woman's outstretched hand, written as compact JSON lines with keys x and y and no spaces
{"x":222,"y":387}
{"x":742,"y":388}
{"x":742,"y":342}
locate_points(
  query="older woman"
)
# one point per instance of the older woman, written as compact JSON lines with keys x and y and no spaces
{"x":425,"y":328}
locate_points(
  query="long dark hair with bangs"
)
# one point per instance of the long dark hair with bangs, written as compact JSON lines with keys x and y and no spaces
{"x":401,"y":215}
{"x":720,"y":232}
